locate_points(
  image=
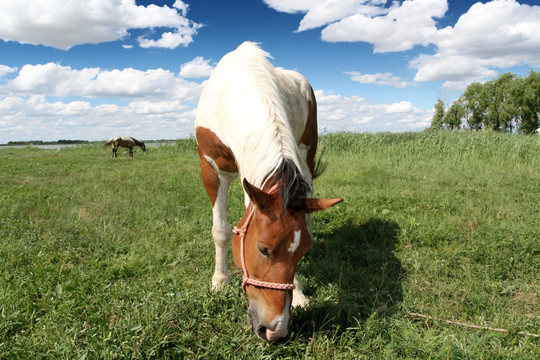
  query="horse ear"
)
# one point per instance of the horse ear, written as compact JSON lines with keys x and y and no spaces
{"x":257,"y":196}
{"x":312,"y":205}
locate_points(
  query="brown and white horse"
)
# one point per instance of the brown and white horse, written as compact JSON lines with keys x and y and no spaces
{"x":127,"y":142}
{"x":260,"y":122}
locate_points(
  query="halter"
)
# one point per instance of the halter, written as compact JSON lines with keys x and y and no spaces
{"x":242,"y":231}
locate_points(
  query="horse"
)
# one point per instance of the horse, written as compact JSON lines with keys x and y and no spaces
{"x":260,"y":122}
{"x":127,"y":142}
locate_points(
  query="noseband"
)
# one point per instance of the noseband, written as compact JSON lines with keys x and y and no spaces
{"x":242,"y":231}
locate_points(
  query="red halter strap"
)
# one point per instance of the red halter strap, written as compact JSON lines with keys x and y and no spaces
{"x":242,"y":231}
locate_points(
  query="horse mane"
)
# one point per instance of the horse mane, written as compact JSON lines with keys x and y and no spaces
{"x":292,"y":185}
{"x":276,"y":156}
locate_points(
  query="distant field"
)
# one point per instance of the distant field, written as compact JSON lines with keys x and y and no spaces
{"x":104,"y":258}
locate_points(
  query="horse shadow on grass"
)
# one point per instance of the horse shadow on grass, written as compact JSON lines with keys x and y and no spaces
{"x":352,"y":273}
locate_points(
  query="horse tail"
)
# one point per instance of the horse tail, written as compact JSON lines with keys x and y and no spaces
{"x":320,"y":166}
{"x":110,"y":141}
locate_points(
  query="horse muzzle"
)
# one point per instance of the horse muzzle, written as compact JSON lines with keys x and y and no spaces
{"x":269,"y":331}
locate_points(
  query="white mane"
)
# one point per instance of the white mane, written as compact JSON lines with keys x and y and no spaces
{"x":267,"y":147}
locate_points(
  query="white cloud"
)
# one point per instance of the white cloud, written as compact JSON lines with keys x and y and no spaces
{"x":327,"y":12}
{"x":131,"y":83}
{"x":155,"y":103}
{"x":35,"y":117}
{"x":331,"y":11}
{"x":52,"y":79}
{"x":146,"y":107}
{"x":402,"y":27}
{"x":353,"y":113}
{"x":397,"y":28}
{"x":498,"y":34}
{"x":456,"y":71}
{"x":295,"y":6}
{"x":62,"y":81}
{"x":196,"y":68}
{"x":380,"y":79}
{"x":493,"y":35}
{"x":65,"y":23}
{"x":4,"y":70}
{"x":169,"y":40}
{"x":402,"y":107}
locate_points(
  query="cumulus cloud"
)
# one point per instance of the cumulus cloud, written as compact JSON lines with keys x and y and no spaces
{"x":380,"y":79}
{"x":63,"y":24}
{"x":169,"y":40}
{"x":329,"y":11}
{"x":497,"y":34}
{"x":4,"y":70}
{"x":352,"y":113}
{"x":456,"y":71}
{"x":196,"y":68}
{"x":295,"y":6}
{"x":396,"y":28}
{"x":155,"y":103}
{"x":95,"y":103}
{"x":52,"y":79}
{"x":36,"y":115}
{"x":400,"y":28}
{"x":62,"y":81}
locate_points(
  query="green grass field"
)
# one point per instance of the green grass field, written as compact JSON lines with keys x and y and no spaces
{"x":104,"y":258}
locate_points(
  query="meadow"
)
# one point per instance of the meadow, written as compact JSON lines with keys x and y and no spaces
{"x":104,"y":258}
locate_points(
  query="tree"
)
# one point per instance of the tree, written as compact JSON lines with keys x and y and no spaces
{"x":474,"y":102}
{"x":438,"y":117}
{"x":454,"y":115}
{"x":529,"y":104}
{"x":500,"y":108}
{"x":506,"y":103}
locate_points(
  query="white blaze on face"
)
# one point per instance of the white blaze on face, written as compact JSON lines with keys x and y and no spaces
{"x":296,"y":242}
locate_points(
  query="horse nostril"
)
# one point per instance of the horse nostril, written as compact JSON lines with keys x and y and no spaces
{"x":261,"y":332}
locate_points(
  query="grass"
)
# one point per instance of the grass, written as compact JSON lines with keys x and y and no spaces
{"x":104,"y":258}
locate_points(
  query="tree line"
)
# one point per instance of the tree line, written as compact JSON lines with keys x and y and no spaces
{"x":507,"y":103}
{"x":41,"y":142}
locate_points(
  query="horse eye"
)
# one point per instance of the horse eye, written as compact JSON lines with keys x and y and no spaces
{"x":263,"y":250}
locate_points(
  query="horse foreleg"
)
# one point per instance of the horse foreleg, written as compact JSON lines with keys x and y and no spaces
{"x":217,"y":184}
{"x":298,"y":297}
{"x":131,"y":152}
{"x":114,"y":152}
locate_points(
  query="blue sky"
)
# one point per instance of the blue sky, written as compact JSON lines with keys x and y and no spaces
{"x":97,"y":68}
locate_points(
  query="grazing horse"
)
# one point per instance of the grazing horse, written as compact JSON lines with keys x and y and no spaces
{"x":259,"y":122}
{"x":127,"y":142}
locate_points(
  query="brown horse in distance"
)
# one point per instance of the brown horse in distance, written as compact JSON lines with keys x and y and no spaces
{"x":127,"y":142}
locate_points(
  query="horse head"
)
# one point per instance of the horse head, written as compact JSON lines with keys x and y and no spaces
{"x":268,"y":244}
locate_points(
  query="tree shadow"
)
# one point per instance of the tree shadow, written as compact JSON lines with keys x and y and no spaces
{"x":351,"y":273}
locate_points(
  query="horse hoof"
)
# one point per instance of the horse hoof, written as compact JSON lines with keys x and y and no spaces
{"x":299,"y":300}
{"x":219,"y":282}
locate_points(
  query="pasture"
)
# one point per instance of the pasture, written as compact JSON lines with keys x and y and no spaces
{"x":104,"y":258}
